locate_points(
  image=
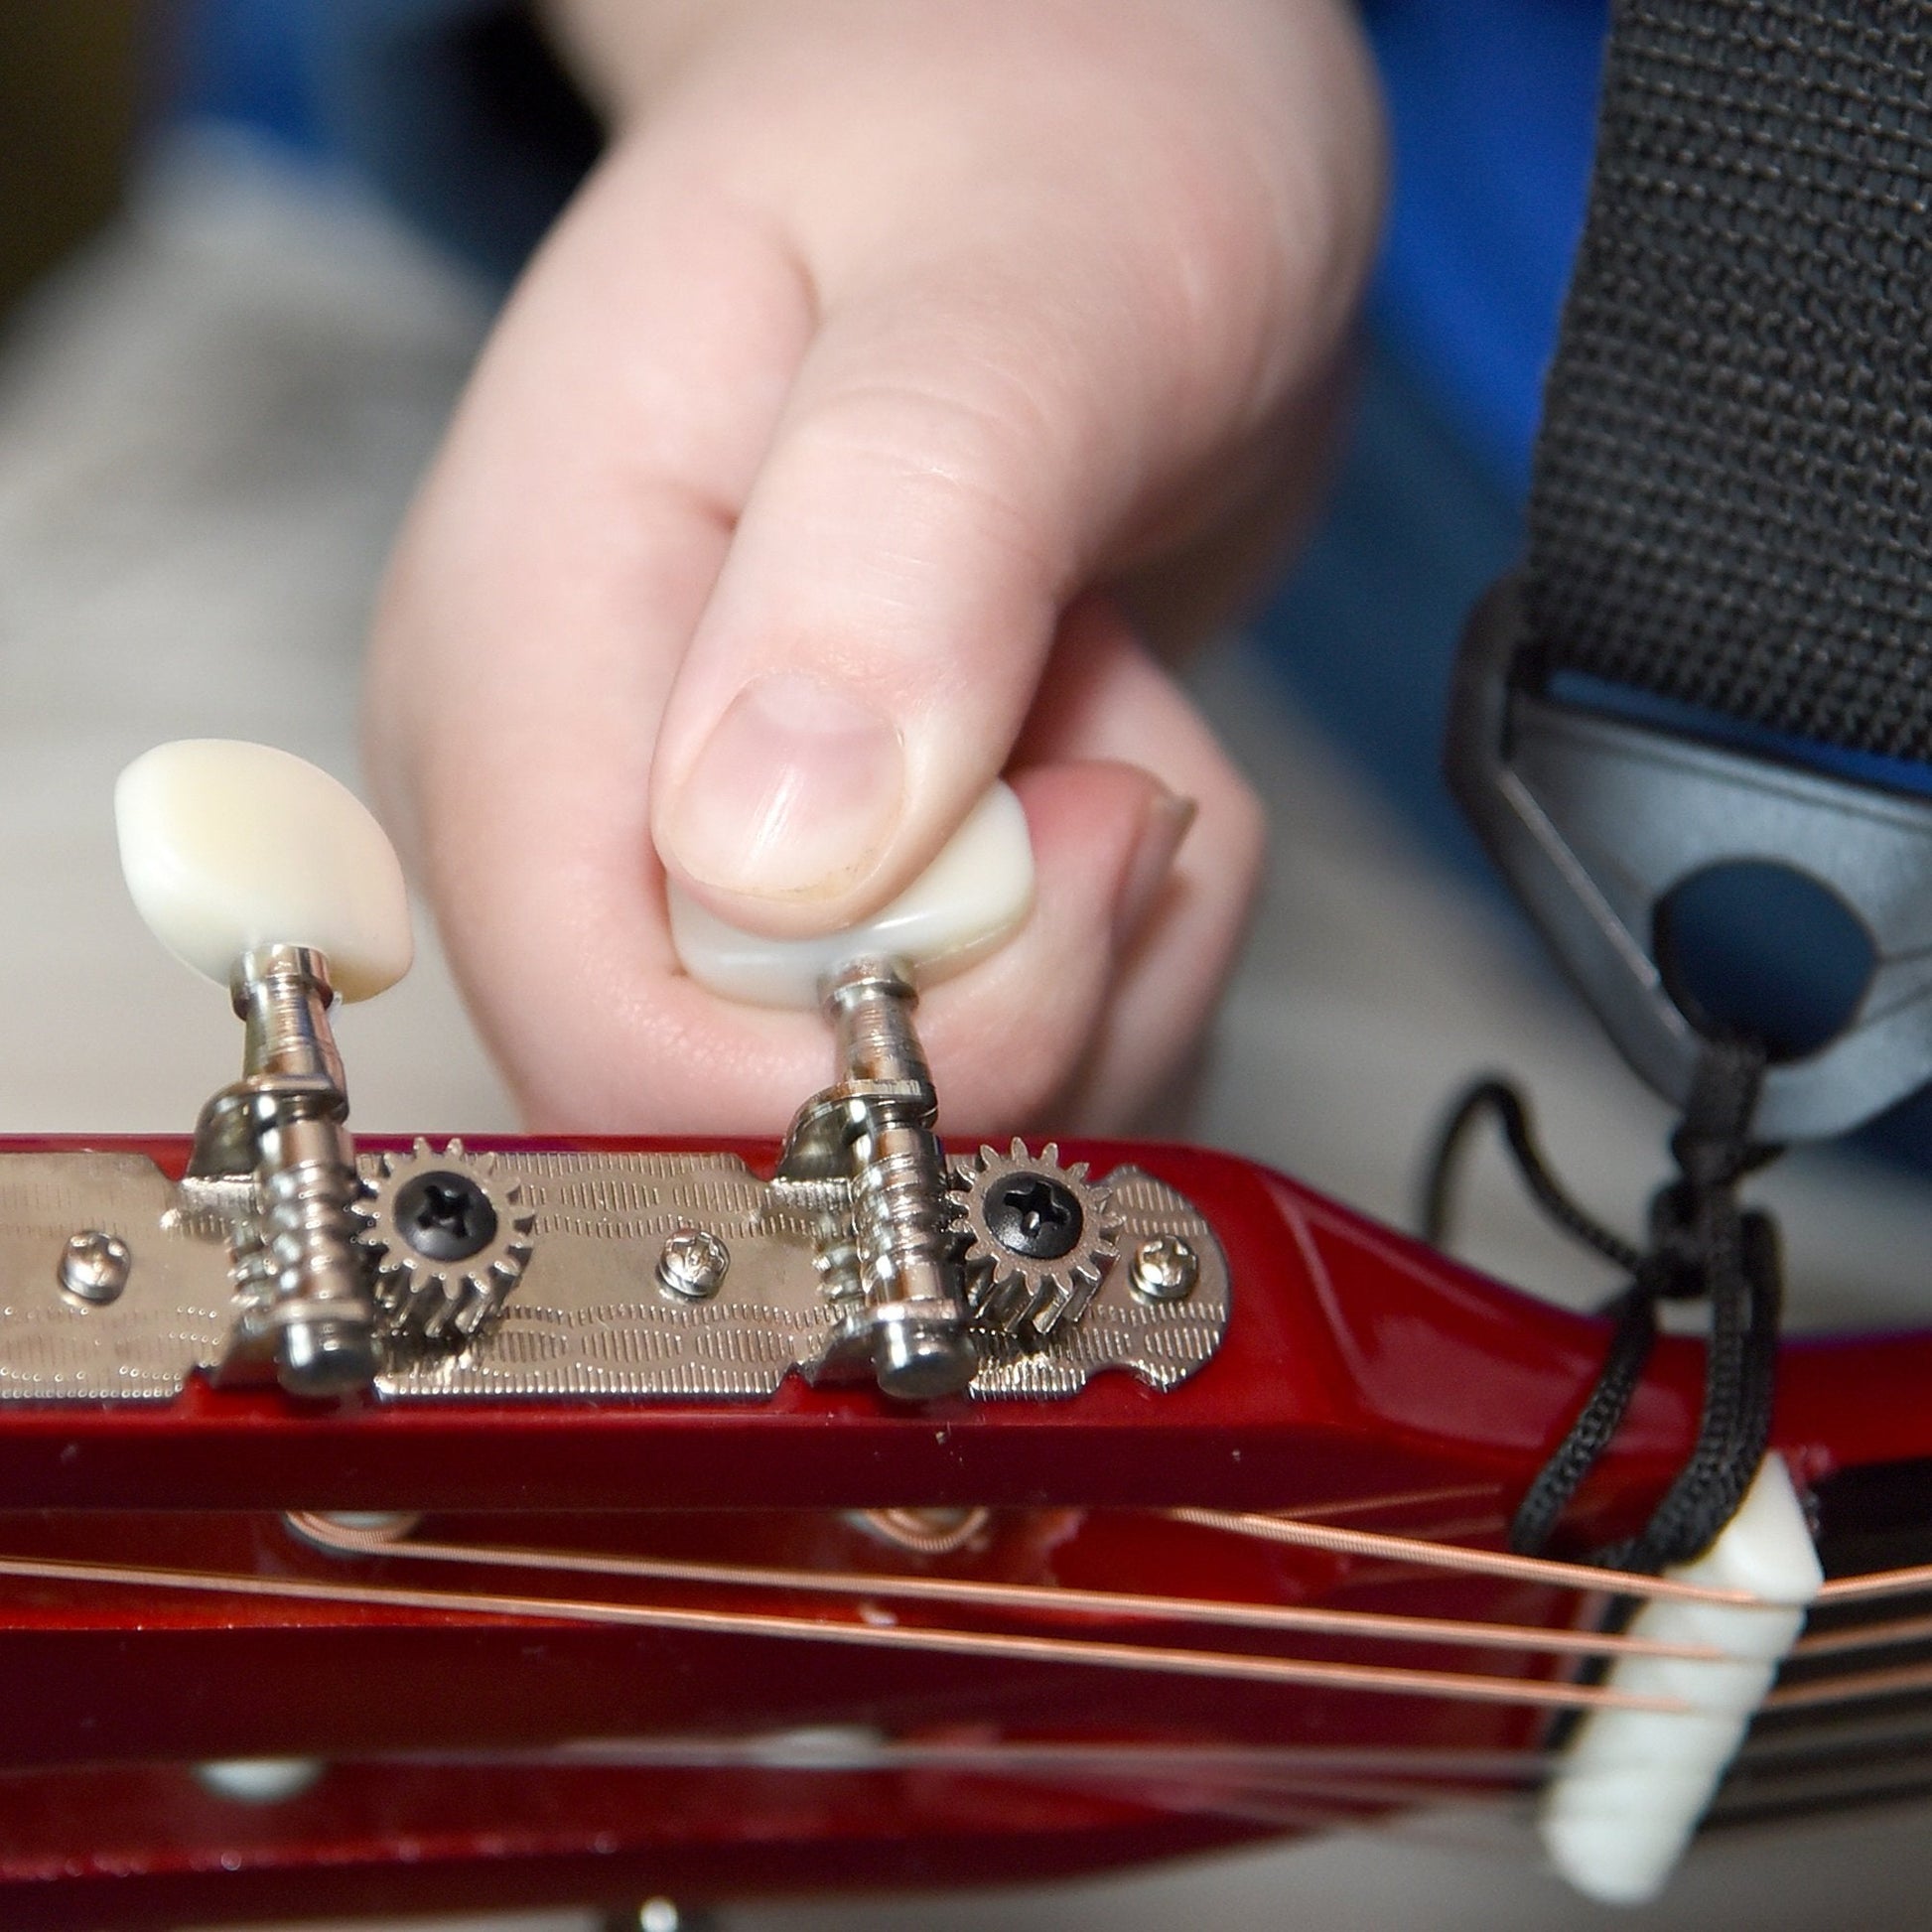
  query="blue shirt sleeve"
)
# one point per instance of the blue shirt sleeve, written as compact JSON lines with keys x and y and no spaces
{"x":1492,"y":107}
{"x":456,"y":109}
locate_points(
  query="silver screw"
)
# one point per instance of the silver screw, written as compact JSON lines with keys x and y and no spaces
{"x":93,"y":1267}
{"x":693,"y":1263}
{"x":1164,"y":1269}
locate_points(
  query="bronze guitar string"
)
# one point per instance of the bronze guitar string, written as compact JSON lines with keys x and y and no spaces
{"x":1391,"y":1547}
{"x":1413,"y":1550}
{"x":1056,"y":1598}
{"x":1302,"y":1673}
{"x":1285,"y":1791}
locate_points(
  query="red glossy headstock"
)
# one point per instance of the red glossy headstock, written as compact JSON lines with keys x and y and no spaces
{"x":1365,"y":1382}
{"x":1356,"y":1361}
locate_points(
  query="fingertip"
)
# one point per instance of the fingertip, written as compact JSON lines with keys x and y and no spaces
{"x":1151,"y":868}
{"x":1105,"y":834}
{"x":1008,"y":1037}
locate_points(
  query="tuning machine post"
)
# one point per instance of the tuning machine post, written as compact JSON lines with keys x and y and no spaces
{"x":875,"y":1127}
{"x":894,"y":1269}
{"x":265,"y":874}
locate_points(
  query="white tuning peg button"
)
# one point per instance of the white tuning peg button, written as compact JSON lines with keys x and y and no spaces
{"x":972,"y":898}
{"x":228,"y":846}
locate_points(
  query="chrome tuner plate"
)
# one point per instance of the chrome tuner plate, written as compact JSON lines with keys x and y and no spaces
{"x":592,"y":1312}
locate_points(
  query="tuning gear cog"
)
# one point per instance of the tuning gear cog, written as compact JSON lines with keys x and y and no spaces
{"x":1038,"y":1239}
{"x":447,"y":1238}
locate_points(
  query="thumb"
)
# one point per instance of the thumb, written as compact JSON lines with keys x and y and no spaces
{"x":938,"y":488}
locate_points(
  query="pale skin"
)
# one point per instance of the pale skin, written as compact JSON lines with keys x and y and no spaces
{"x":910,"y":375}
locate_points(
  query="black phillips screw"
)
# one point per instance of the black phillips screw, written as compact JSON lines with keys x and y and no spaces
{"x":1031,"y":1215}
{"x":445,"y":1216}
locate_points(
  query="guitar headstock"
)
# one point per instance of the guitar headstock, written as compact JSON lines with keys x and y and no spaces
{"x":276,"y":1251}
{"x":566,"y":1453}
{"x":1076,"y":1323}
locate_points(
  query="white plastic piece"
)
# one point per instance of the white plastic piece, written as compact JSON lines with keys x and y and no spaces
{"x":260,"y":1780}
{"x":1634,"y":1784}
{"x":970,"y":900}
{"x":227,"y":846}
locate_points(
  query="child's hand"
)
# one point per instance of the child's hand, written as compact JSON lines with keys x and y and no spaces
{"x":898,"y":350}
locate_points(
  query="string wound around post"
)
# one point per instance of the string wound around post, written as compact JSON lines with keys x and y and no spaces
{"x":1597,"y":820}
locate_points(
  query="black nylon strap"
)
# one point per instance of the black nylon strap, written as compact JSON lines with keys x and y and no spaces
{"x":1732,"y":496}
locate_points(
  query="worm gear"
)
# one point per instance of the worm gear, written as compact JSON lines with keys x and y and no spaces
{"x":1038,"y":1240}
{"x":447,"y":1238}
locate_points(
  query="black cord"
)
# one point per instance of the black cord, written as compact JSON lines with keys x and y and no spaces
{"x":1496,"y":1095}
{"x":1702,"y":1245}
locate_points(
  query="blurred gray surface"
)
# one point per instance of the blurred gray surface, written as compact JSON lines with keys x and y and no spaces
{"x":208,"y":429}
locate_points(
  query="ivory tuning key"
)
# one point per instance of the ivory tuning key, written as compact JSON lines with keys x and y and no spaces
{"x":907,"y":1306}
{"x":965,"y":905}
{"x":265,"y":874}
{"x":230,"y":847}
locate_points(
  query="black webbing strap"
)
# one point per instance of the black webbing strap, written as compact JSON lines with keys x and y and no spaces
{"x":1731,"y":508}
{"x":1732,"y":496}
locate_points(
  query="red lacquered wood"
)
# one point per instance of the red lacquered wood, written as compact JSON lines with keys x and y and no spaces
{"x":81,"y":1689}
{"x":1358,"y":1365}
{"x":123,"y":1677}
{"x":1355,"y":1359}
{"x":151,"y":1848}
